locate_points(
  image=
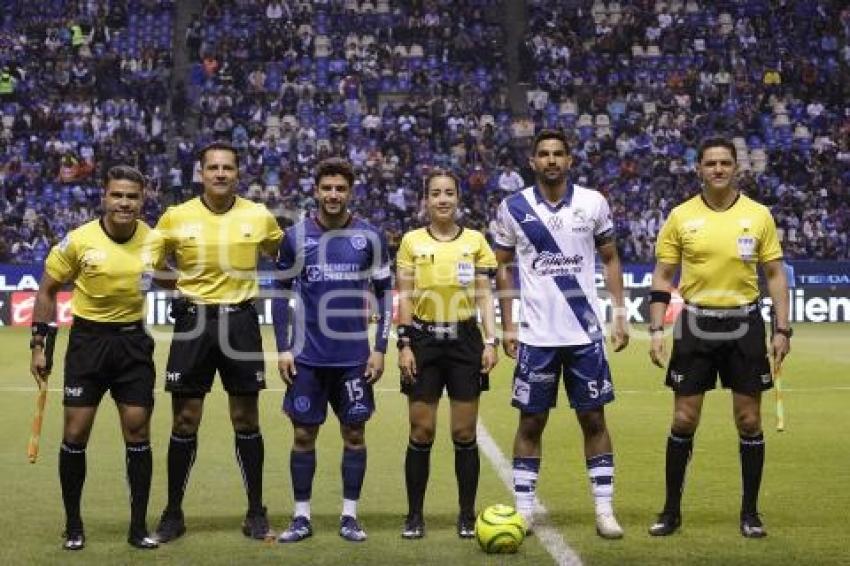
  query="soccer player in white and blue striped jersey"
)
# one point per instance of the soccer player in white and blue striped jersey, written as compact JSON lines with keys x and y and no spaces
{"x":552,"y":231}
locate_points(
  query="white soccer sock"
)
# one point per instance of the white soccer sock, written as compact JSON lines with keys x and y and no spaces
{"x":525,"y":487}
{"x":302,"y":509}
{"x":349,"y":507}
{"x":600,"y":469}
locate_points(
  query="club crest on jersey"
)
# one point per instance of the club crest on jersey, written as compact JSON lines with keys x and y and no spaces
{"x":579,"y":215}
{"x":555,"y":223}
{"x":302,"y":404}
{"x":314,"y":273}
{"x":93,"y":257}
{"x":358,"y":242}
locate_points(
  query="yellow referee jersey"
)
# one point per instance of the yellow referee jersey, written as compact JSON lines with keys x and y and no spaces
{"x":444,"y":272}
{"x":217,"y":254}
{"x":719,"y":251}
{"x":109,"y":276}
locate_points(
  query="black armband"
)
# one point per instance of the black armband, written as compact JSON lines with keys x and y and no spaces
{"x":659,"y":297}
{"x":40,"y":329}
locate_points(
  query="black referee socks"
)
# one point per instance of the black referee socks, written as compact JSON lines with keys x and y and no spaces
{"x":417,"y":466}
{"x":467,"y":470}
{"x":250,"y":453}
{"x":181,"y":457}
{"x":752,"y":464}
{"x":139,"y":472}
{"x":679,"y":449}
{"x":72,"y":476}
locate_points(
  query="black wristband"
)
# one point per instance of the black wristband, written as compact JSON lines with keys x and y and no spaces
{"x":404,"y":331}
{"x":402,"y":343}
{"x":656,"y":329}
{"x":659,"y":297}
{"x":787,"y":332}
{"x":40,"y":329}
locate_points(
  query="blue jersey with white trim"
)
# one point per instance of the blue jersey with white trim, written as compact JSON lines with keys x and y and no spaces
{"x":333,"y":270}
{"x":555,"y":248}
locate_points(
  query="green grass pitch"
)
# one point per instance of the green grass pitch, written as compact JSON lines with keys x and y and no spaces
{"x":805,"y":491}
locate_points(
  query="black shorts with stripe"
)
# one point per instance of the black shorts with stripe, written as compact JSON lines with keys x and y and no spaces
{"x":447,"y":357}
{"x":108,"y":356}
{"x":210,"y":338}
{"x":730,"y":343}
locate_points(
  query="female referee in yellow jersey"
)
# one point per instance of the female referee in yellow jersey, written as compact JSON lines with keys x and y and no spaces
{"x":443,"y":278}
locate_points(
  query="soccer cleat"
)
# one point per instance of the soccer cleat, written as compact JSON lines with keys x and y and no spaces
{"x":142,"y":541}
{"x":666,"y":524}
{"x":608,"y":527}
{"x":171,"y":526}
{"x":752,"y":527}
{"x":256,"y":524}
{"x":74,"y":540}
{"x":299,"y":529}
{"x":350,"y":529}
{"x":414,"y":527}
{"x":466,"y":526}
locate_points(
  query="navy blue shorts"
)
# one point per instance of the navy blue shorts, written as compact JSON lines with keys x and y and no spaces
{"x":587,"y":377}
{"x":345,"y":388}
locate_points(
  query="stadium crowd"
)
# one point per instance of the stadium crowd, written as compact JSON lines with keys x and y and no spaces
{"x":398,"y":87}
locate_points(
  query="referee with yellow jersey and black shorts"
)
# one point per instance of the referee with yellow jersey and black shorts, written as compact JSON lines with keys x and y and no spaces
{"x":719,"y":238}
{"x":444,"y":273}
{"x":111,"y":262}
{"x":215,"y":240}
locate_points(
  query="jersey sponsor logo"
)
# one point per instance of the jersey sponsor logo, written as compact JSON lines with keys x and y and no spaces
{"x":333,"y":272}
{"x":358,"y":242}
{"x":556,"y":263}
{"x":540,"y":377}
{"x":190,"y":230}
{"x":302,"y":404}
{"x":93,"y":257}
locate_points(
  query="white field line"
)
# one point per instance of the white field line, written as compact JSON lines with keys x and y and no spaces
{"x":548,"y":536}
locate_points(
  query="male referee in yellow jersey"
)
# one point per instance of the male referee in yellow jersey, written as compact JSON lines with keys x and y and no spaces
{"x":215,"y":240}
{"x":718,"y":237}
{"x":111,"y":262}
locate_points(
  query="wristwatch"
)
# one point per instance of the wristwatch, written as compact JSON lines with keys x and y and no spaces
{"x":492,"y":341}
{"x":787,"y":332}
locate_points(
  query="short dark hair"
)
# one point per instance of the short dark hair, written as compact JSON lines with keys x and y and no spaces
{"x":334,"y":166}
{"x":440,"y":172}
{"x":708,"y":143}
{"x":124,"y":173}
{"x":550,"y":134}
{"x":219,"y":145}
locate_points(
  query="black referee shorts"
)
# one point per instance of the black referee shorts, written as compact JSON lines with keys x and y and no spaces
{"x":114,"y":356}
{"x":210,"y":338}
{"x":447,"y":356}
{"x":728,"y":342}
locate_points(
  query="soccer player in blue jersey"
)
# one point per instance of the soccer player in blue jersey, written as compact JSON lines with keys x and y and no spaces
{"x":554,"y":229}
{"x":337,"y":268}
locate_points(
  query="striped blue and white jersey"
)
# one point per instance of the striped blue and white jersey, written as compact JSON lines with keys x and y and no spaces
{"x":555,"y":249}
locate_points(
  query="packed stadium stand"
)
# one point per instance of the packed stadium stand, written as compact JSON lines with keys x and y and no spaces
{"x":398,"y":87}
